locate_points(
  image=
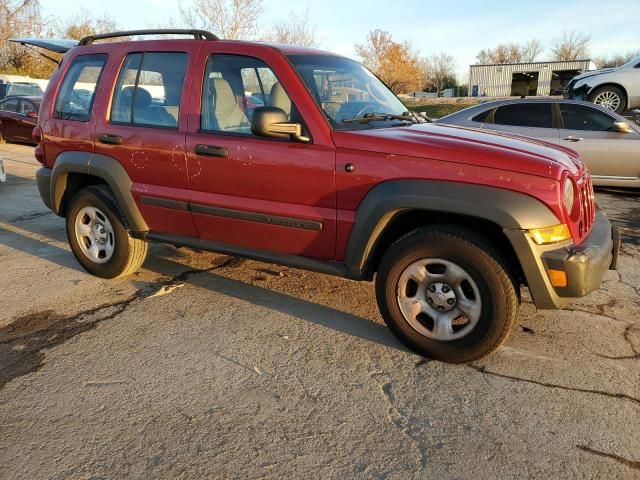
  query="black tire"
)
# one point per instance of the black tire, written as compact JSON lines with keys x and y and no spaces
{"x":478,"y":257}
{"x":613,"y":90}
{"x":128,"y":254}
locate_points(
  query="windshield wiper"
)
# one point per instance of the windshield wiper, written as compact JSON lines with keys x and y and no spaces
{"x":381,"y":117}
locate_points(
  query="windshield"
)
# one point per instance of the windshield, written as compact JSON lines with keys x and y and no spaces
{"x":634,"y":61}
{"x":26,"y":89}
{"x":346,"y":90}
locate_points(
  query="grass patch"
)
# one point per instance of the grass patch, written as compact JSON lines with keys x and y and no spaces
{"x":438,"y":110}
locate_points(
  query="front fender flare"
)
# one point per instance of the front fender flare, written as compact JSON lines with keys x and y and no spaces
{"x":507,"y":209}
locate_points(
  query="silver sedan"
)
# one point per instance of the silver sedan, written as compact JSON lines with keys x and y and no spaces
{"x":608,"y":143}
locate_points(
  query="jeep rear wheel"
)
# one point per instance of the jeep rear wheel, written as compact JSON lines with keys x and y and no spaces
{"x":445,"y":293}
{"x":98,"y":236}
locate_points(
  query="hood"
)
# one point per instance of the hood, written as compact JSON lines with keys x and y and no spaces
{"x":503,"y":151}
{"x":592,"y":73}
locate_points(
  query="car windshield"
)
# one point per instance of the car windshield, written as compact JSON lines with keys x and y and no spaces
{"x":346,"y":91}
{"x":26,"y":89}
{"x":633,"y":62}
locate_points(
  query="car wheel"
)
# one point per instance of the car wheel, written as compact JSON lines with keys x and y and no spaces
{"x":445,"y":293}
{"x":611,"y":98}
{"x":98,"y":236}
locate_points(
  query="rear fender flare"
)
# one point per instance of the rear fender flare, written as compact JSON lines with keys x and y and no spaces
{"x":101,"y":166}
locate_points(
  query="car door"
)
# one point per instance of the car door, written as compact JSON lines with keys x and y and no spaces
{"x":9,"y":117}
{"x":144,"y":127}
{"x":608,"y":154}
{"x":533,"y":119}
{"x":259,"y":193}
{"x":27,"y":121}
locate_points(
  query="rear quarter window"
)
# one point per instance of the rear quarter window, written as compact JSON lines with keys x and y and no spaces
{"x":78,"y":89}
{"x":482,"y":116}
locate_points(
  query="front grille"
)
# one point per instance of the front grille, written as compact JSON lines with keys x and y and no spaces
{"x":588,"y":210}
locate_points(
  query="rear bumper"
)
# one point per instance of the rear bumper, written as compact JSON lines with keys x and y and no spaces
{"x":43,"y":180}
{"x":584,"y":265}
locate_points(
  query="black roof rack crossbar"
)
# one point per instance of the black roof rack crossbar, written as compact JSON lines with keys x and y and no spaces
{"x":197,"y":34}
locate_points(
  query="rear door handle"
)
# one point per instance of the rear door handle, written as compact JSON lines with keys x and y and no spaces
{"x":573,"y":139}
{"x":110,"y":139}
{"x":211,"y":151}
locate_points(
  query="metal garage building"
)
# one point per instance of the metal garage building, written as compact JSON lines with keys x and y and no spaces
{"x":529,"y":79}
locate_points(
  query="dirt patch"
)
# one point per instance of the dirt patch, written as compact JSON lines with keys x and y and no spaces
{"x":22,"y":342}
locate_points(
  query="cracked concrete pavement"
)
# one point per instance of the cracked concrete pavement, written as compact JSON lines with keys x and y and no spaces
{"x":207,"y":366}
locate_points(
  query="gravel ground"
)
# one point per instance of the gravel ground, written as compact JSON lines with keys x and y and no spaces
{"x":207,"y":366}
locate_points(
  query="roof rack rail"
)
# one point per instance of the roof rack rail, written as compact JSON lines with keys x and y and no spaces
{"x":197,"y":34}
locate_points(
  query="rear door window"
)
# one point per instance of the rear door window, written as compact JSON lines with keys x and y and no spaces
{"x":78,"y":89}
{"x":580,"y":117}
{"x":535,"y":115}
{"x":149,"y":89}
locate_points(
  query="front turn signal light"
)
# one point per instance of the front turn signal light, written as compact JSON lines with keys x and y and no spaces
{"x":556,"y":233}
{"x":558,"y":278}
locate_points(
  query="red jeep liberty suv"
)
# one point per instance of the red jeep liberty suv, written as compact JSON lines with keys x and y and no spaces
{"x":304,"y":158}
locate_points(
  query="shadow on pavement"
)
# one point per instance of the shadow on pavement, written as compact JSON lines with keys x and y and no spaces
{"x":164,"y":265}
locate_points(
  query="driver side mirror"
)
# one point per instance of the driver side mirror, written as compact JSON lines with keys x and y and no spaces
{"x":272,"y":122}
{"x":32,"y":114}
{"x":622,"y":127}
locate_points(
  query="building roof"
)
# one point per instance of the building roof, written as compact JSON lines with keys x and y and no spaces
{"x":528,"y":63}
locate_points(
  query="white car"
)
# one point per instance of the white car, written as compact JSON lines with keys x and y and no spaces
{"x":3,"y":172}
{"x":617,"y":89}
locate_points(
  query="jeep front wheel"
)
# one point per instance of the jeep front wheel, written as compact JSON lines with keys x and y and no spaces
{"x":445,"y":293}
{"x":98,"y":237}
{"x":609,"y":97}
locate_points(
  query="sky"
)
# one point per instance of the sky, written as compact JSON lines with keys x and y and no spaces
{"x":460,"y":28}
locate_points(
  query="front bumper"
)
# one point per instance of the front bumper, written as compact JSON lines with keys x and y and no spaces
{"x":585,"y":265}
{"x":580,"y":93}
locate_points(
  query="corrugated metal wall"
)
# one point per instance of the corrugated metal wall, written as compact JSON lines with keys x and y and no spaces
{"x":495,"y":80}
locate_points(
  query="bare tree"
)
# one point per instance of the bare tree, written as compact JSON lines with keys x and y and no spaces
{"x":229,"y":19}
{"x":571,"y":46}
{"x":82,"y":24}
{"x":441,"y":71}
{"x":616,"y":60}
{"x":531,"y":50}
{"x":21,"y":18}
{"x":296,"y":30}
{"x":505,"y":53}
{"x":397,"y":64}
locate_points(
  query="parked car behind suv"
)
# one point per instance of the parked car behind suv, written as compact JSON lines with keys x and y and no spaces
{"x":15,"y":88}
{"x":616,"y":89}
{"x":331,"y":175}
{"x":607,"y":143}
{"x":18,"y":117}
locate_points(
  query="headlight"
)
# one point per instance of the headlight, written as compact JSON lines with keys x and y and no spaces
{"x":553,"y":234}
{"x":569,"y":196}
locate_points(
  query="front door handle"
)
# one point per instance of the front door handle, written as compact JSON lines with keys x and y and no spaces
{"x":110,"y":139}
{"x":211,"y":151}
{"x":573,"y":139}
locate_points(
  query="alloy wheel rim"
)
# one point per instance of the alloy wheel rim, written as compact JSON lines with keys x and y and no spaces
{"x":608,"y":99}
{"x":94,"y":234}
{"x":439,"y":299}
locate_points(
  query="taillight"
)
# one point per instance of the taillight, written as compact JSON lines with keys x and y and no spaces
{"x":39,"y":152}
{"x":37,"y":134}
